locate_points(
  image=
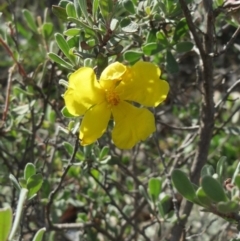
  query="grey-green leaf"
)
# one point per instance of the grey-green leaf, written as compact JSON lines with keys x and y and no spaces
{"x":207,"y":170}
{"x":213,"y":189}
{"x":183,"y":185}
{"x":228,"y":207}
{"x":30,"y":20}
{"x":203,"y":198}
{"x":128,"y":5}
{"x":15,"y":182}
{"x":54,"y":57}
{"x":172,"y":65}
{"x":152,"y":48}
{"x":221,"y":168}
{"x":180,"y":30}
{"x":29,"y":170}
{"x":34,"y":184}
{"x":184,"y":47}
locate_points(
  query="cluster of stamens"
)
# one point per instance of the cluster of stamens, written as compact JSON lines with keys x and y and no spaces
{"x":112,"y":97}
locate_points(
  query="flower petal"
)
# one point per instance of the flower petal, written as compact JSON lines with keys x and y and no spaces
{"x":83,"y":91}
{"x":94,"y":123}
{"x":111,"y":75}
{"x":132,"y":125}
{"x":142,"y":85}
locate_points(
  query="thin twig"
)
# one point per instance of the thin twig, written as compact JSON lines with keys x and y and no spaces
{"x":229,"y":43}
{"x":119,"y":209}
{"x":55,"y":191}
{"x":168,"y":178}
{"x":228,"y":92}
{"x":184,"y":128}
{"x":20,"y":68}
{"x":9,"y":84}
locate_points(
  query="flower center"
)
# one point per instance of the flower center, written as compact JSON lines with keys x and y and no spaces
{"x":112,"y":97}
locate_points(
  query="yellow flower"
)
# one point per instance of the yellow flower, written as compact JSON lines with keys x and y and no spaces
{"x":111,"y":96}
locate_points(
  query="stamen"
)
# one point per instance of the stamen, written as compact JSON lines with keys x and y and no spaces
{"x":112,"y":97}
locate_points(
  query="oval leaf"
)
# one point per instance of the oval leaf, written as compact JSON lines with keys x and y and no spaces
{"x":39,"y":235}
{"x":34,"y":184}
{"x":132,"y":56}
{"x":152,"y":48}
{"x":30,"y":20}
{"x":29,"y":170}
{"x":154,"y":188}
{"x":172,"y":65}
{"x":203,"y":198}
{"x":213,"y":189}
{"x":228,"y":207}
{"x":207,"y":170}
{"x":184,"y":47}
{"x":183,"y":185}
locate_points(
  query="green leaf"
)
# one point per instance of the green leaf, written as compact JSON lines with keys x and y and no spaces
{"x":23,"y":182}
{"x":237,"y":181}
{"x":172,"y":65}
{"x":72,"y":32}
{"x":29,"y":170}
{"x":165,"y":204}
{"x":83,"y":7}
{"x":184,"y":47}
{"x":60,"y":12}
{"x":151,"y":36}
{"x":47,"y":30}
{"x":70,"y":10}
{"x":180,"y":30}
{"x":69,"y":147}
{"x":203,"y":198}
{"x":63,"y":45}
{"x":30,"y":20}
{"x":39,"y":235}
{"x":143,"y":192}
{"x":162,"y":38}
{"x":106,"y":8}
{"x":154,"y":188}
{"x":152,"y":48}
{"x":15,"y":182}
{"x":213,"y":189}
{"x":132,"y":56}
{"x":65,"y":113}
{"x":5,"y":223}
{"x":207,"y":170}
{"x":128,"y":5}
{"x":221,"y":168}
{"x":104,"y":152}
{"x":84,"y":26}
{"x":34,"y":184}
{"x":183,"y":185}
{"x":228,"y":207}
{"x":54,"y":57}
{"x":236,"y":172}
{"x":95,"y":9}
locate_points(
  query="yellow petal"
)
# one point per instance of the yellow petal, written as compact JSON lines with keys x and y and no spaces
{"x":132,"y":125}
{"x":83,"y":91}
{"x":142,"y":85}
{"x":94,"y":123}
{"x":112,"y":75}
